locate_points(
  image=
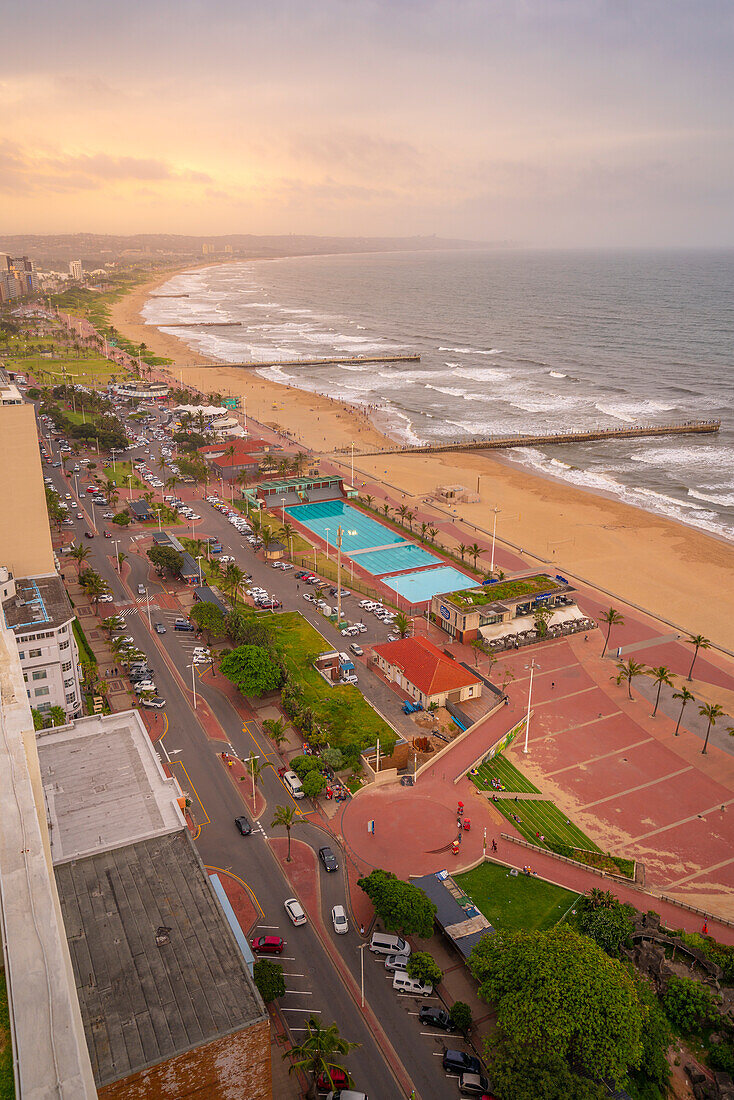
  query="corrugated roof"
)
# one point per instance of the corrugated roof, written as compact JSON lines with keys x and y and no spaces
{"x":425,"y":666}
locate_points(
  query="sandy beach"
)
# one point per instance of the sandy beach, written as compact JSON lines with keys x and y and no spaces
{"x":667,"y":568}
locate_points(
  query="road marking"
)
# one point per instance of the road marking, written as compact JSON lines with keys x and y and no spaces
{"x":301,"y":992}
{"x":242,"y":881}
{"x":303,"y":1010}
{"x":269,"y":926}
{"x":292,"y":974}
{"x":193,"y":788}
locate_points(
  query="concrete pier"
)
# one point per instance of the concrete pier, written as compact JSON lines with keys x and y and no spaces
{"x":332,"y":360}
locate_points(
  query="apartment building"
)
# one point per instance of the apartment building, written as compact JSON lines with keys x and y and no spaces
{"x":38,"y":611}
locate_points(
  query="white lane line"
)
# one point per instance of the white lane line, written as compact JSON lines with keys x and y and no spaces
{"x":276,"y":926}
{"x":306,"y":1010}
{"x":301,"y":992}
{"x":292,"y":974}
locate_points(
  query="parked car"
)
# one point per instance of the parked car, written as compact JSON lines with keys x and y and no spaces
{"x":243,"y":825}
{"x":339,"y":920}
{"x":455,"y":1061}
{"x":474,"y":1084}
{"x":328,"y":859}
{"x":396,"y":962}
{"x":160,"y":628}
{"x":436,"y":1017}
{"x":295,"y":911}
{"x":268,"y":945}
{"x":356,"y":649}
{"x":155,"y":702}
{"x":339,"y":1080}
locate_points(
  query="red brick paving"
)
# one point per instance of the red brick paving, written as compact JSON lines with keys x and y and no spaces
{"x":239,"y":898}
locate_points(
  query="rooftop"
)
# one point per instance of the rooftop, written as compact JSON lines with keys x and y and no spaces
{"x":504,"y":591}
{"x":39,"y":602}
{"x":104,"y":785}
{"x":424,"y":665}
{"x":457,"y":916}
{"x":156,"y":966}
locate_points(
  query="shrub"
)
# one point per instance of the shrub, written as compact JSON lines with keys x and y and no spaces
{"x":269,"y":980}
{"x":424,"y":967}
{"x":302,"y":765}
{"x":460,"y":1014}
{"x":688,"y":1004}
{"x":121,"y":519}
{"x":313,"y":784}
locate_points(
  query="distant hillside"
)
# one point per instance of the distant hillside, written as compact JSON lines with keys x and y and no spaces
{"x":96,"y":249}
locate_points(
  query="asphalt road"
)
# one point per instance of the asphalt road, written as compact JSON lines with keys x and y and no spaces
{"x":312,"y":982}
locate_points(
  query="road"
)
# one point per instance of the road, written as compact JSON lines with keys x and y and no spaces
{"x":313,"y":983}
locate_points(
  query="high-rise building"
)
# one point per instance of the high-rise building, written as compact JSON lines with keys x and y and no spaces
{"x":75,"y":270}
{"x":17,"y":277}
{"x":25,"y":536}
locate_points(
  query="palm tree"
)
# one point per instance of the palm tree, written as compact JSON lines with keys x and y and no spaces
{"x":711,"y":711}
{"x":286,"y":817}
{"x":58,"y":716}
{"x":171,"y":483}
{"x":386,"y":507}
{"x":462,"y":549}
{"x":475,"y":551}
{"x":232,"y":580}
{"x":267,"y":537}
{"x":80,"y":555}
{"x":433,"y":533}
{"x":285,"y":533}
{"x":611,"y":618}
{"x":698,"y":642}
{"x":685,"y":697}
{"x":121,"y":558}
{"x":402,"y":511}
{"x":95,"y":587}
{"x":424,"y":528}
{"x":402,"y":624}
{"x":368,"y":500}
{"x":660,"y":676}
{"x":256,"y":769}
{"x":627,"y":670}
{"x":275,"y":729}
{"x":410,"y":517}
{"x":316,"y":1053}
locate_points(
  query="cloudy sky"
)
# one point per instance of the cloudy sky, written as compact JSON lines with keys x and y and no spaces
{"x":542,"y":122}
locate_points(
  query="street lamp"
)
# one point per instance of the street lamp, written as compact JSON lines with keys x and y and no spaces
{"x":282,"y":510}
{"x":352,"y":446}
{"x":130,"y":486}
{"x":494,"y":532}
{"x":147,"y":597}
{"x":192,"y":666}
{"x":532,"y":666}
{"x":198,"y":558}
{"x":158,"y":513}
{"x":328,"y":532}
{"x":338,"y":576}
{"x":251,"y":765}
{"x":361,"y":958}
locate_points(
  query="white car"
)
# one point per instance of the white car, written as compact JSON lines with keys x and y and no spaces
{"x":226,"y":558}
{"x":295,"y":911}
{"x":339,"y":920}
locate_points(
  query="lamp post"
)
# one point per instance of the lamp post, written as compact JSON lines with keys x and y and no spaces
{"x":361,"y":967}
{"x":158,"y":513}
{"x":532,"y":666}
{"x":494,"y":532}
{"x":116,"y":545}
{"x":244,"y":411}
{"x":251,"y":762}
{"x":338,"y":576}
{"x":147,"y":597}
{"x":352,"y":446}
{"x":192,"y":666}
{"x":198,"y":558}
{"x":130,"y":486}
{"x":328,"y":532}
{"x":282,"y":510}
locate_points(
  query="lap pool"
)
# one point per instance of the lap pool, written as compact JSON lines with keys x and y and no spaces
{"x":359,"y":532}
{"x":420,"y":587}
{"x":405,"y":556}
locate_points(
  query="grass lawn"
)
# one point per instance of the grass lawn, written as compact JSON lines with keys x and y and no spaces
{"x":93,"y":370}
{"x":504,"y":590}
{"x":508,"y":775}
{"x":515,"y":902}
{"x":342,"y":710}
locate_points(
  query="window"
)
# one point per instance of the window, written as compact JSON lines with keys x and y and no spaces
{"x":25,"y":677}
{"x":71,"y":698}
{"x":22,"y":656}
{"x":41,"y":674}
{"x":66,"y":667}
{"x":64,"y":645}
{"x":42,"y":691}
{"x":34,"y":652}
{"x":69,"y":683}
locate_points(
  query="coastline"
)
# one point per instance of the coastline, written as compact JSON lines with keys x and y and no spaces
{"x":675,"y":571}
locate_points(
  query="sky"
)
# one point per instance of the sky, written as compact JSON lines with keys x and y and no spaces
{"x":545,"y":123}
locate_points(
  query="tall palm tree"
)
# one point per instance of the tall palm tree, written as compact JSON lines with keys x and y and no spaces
{"x":462,"y":550}
{"x":410,"y":518}
{"x":386,"y":507}
{"x":171,"y":483}
{"x":256,"y":768}
{"x":660,"y":676}
{"x":275,"y":729}
{"x":685,"y":697}
{"x":368,"y":500}
{"x":627,"y":670}
{"x":109,"y":490}
{"x":121,"y":558}
{"x":711,"y":711}
{"x":698,"y":642}
{"x":286,"y":532}
{"x":402,"y":624}
{"x":433,"y":533}
{"x":232,"y":580}
{"x":80,"y":555}
{"x":475,"y":551}
{"x":95,"y":587}
{"x":267,"y":537}
{"x":317,"y":1052}
{"x":424,"y":528}
{"x":402,"y":512}
{"x":286,"y":817}
{"x":611,"y":618}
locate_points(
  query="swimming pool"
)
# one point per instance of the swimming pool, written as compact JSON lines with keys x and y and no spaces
{"x":359,"y":532}
{"x":405,"y":556}
{"x":419,"y":587}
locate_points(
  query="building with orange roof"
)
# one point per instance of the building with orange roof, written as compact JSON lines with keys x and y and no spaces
{"x":426,"y":674}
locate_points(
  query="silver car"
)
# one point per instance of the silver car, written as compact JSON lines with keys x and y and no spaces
{"x":396,"y":962}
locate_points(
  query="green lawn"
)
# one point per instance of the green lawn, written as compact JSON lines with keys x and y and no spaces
{"x":341,"y":710}
{"x":515,"y":902}
{"x":505,"y":590}
{"x":508,"y":775}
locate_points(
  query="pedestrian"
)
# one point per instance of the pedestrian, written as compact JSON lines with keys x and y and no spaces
{"x":361,"y":929}
{"x":553,"y":683}
{"x":458,"y":824}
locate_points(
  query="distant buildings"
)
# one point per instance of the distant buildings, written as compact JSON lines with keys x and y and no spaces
{"x":75,"y":270}
{"x":17,"y":277}
{"x":137,"y":390}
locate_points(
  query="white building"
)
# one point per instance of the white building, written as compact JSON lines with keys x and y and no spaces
{"x":38,"y":611}
{"x":75,"y":270}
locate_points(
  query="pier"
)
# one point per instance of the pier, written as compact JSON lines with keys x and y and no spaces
{"x":687,"y":427}
{"x":198,"y":324}
{"x":333,"y":360}
{"x":169,"y":295}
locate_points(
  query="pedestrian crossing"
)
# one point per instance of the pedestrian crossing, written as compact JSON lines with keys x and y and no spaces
{"x":137,"y":608}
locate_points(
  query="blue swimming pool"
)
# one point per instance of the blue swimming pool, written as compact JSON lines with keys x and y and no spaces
{"x":359,"y":532}
{"x":419,"y":587}
{"x":405,"y":556}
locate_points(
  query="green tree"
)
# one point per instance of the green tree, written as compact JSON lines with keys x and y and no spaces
{"x":210,"y":619}
{"x":285,"y":817}
{"x":463,"y":550}
{"x":688,"y":1005}
{"x":334,"y":758}
{"x":95,"y":587}
{"x":711,"y":711}
{"x":611,"y":618}
{"x":423,"y":966}
{"x":475,"y":550}
{"x":275,"y":729}
{"x":541,"y":617}
{"x":58,"y":716}
{"x":314,"y":784}
{"x":627,"y":670}
{"x":166,"y":559}
{"x":122,"y":519}
{"x":252,"y":669}
{"x":401,"y":906}
{"x":660,"y":676}
{"x":256,"y":767}
{"x":40,"y":719}
{"x":525,"y":1073}
{"x":685,"y":697}
{"x":656,"y":1037}
{"x":304,"y":764}
{"x":269,"y":980}
{"x":558,"y":992}
{"x":402,"y":624}
{"x":608,"y":928}
{"x":231,"y":581}
{"x":80,"y":555}
{"x":698,"y":642}
{"x":460,"y":1014}
{"x":318,"y":1052}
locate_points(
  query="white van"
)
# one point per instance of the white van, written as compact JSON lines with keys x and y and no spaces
{"x":412,"y":986}
{"x":386,"y":943}
{"x":293,"y":784}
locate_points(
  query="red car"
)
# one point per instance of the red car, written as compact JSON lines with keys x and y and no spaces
{"x":339,"y":1080}
{"x":268,"y":945}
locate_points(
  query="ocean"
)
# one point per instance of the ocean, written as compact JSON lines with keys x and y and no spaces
{"x":510,"y":341}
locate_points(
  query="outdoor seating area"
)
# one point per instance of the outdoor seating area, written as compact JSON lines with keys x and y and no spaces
{"x":522,"y":631}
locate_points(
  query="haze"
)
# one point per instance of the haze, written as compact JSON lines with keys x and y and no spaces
{"x":541,"y":122}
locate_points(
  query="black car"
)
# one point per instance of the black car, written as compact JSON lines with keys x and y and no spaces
{"x":328,"y":859}
{"x":243,"y":825}
{"x":436,"y":1017}
{"x":455,"y":1061}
